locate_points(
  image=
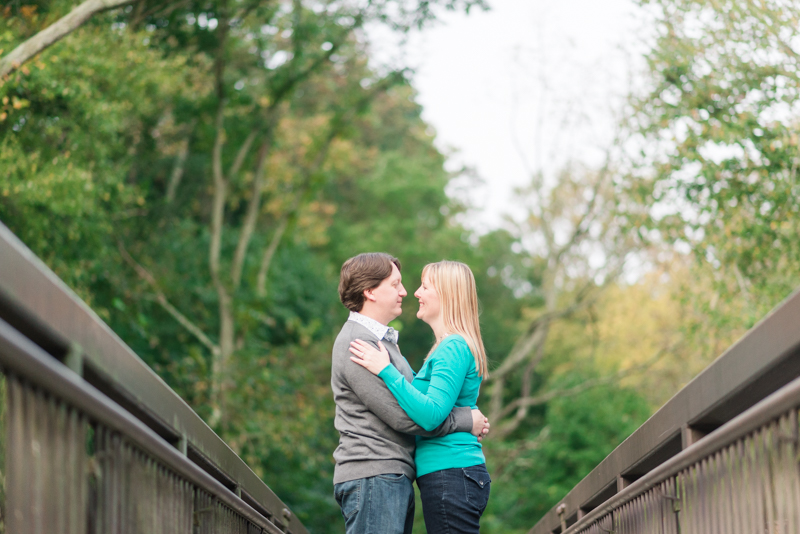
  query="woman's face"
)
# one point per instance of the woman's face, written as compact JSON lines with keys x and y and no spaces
{"x":429,"y":307}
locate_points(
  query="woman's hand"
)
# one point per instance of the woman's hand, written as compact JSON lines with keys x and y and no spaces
{"x":366,"y":356}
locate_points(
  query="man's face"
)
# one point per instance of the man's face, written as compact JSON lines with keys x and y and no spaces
{"x":387,"y":299}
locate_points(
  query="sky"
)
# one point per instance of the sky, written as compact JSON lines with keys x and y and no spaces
{"x":526,"y":86}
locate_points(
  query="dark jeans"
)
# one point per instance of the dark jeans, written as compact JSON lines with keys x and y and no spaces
{"x":453,"y":500}
{"x":383,"y":504}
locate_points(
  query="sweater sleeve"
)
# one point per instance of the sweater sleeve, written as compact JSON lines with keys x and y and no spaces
{"x":449,"y":366}
{"x":380,"y":401}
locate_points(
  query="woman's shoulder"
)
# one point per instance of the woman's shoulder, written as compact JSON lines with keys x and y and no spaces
{"x":455,"y":343}
{"x":454,"y":338}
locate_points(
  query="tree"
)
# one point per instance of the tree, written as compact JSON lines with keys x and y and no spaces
{"x":531,"y":475}
{"x":404,"y":15}
{"x":307,"y":45}
{"x":54,"y":32}
{"x":575,"y":249}
{"x":65,"y":145}
{"x":114,"y":138}
{"x":717,"y":168}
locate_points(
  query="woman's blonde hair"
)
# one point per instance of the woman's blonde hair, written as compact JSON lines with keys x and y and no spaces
{"x":458,"y":298}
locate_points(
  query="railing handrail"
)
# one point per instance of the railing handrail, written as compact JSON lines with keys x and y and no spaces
{"x":783,"y":400}
{"x":26,"y":360}
{"x":35,"y":302}
{"x":763,"y":361}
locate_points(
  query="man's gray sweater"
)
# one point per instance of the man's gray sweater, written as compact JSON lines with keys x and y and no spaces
{"x":375,"y":434}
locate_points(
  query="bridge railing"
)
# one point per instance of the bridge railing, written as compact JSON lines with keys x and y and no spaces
{"x":94,"y":440}
{"x":720,"y":456}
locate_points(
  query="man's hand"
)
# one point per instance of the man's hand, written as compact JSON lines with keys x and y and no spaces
{"x":480,"y":424}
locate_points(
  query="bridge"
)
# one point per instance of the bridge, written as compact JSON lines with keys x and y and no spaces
{"x":721,"y":456}
{"x":97,"y":442}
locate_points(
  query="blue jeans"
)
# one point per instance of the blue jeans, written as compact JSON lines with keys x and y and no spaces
{"x":383,"y":504}
{"x":453,"y":500}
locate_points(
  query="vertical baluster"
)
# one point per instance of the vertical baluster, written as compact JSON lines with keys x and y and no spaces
{"x":740,"y":509}
{"x":724,"y":499}
{"x":788,"y":471}
{"x":692,"y":500}
{"x":683,"y":488}
{"x":704,"y":495}
{"x":757,"y":517}
{"x":754,"y":484}
{"x":54,"y":465}
{"x":727,"y":512}
{"x":767,"y":437}
{"x":100,"y":517}
{"x":717,"y":492}
{"x":794,"y":502}
{"x":16,"y":481}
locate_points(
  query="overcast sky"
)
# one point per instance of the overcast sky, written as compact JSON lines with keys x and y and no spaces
{"x":528,"y":85}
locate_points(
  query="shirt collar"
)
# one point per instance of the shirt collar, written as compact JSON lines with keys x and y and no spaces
{"x":379,"y":329}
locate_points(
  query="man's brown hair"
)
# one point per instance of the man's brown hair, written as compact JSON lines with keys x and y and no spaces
{"x":363,"y":272}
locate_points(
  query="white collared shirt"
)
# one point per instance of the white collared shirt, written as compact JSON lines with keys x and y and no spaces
{"x":379,"y":329}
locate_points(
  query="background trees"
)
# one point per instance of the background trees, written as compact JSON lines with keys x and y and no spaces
{"x":716,"y":169}
{"x":198,"y":171}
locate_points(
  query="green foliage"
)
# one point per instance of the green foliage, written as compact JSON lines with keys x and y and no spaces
{"x":66,"y":152}
{"x":720,"y":146}
{"x":111,"y":143}
{"x":92,"y":135}
{"x":530,"y":476}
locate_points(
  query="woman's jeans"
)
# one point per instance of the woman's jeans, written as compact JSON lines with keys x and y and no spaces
{"x":453,"y":500}
{"x":383,"y":504}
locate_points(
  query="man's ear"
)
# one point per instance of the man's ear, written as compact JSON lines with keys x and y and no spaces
{"x":369,"y":295}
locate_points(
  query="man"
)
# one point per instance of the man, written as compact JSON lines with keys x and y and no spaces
{"x":375,"y":457}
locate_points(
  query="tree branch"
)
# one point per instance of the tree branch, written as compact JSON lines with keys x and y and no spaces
{"x":582,"y":227}
{"x":242,"y":154}
{"x":254,"y":205}
{"x":220,"y":192}
{"x":505,"y":462}
{"x":180,"y":164}
{"x":164,"y":11}
{"x":225,"y":305}
{"x":55,"y":32}
{"x":767,"y":23}
{"x":300,"y":75}
{"x":337,"y":123}
{"x":161,"y":298}
{"x":584,"y":386}
{"x":528,"y":341}
{"x":527,"y":377}
{"x":269,"y":253}
{"x":504,"y":429}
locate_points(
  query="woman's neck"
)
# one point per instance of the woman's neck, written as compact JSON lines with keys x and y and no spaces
{"x":439,"y":330}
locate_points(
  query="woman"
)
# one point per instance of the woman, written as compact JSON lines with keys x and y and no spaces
{"x":451,"y":470}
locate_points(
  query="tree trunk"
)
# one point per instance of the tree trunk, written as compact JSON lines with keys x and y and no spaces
{"x":53,"y":33}
{"x":177,"y":170}
{"x":266,"y":260}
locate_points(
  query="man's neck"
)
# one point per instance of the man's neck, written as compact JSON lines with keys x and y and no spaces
{"x":368,"y":311}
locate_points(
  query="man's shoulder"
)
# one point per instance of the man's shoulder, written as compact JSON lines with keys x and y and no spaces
{"x":351,"y":331}
{"x":341,"y":367}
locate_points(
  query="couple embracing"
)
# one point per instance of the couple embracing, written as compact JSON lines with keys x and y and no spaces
{"x":395,"y":426}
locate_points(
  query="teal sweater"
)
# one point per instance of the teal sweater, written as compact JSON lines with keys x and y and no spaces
{"x":448,"y":378}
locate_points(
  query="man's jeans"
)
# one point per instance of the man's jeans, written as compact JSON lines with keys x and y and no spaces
{"x":453,"y":500}
{"x":383,"y":504}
